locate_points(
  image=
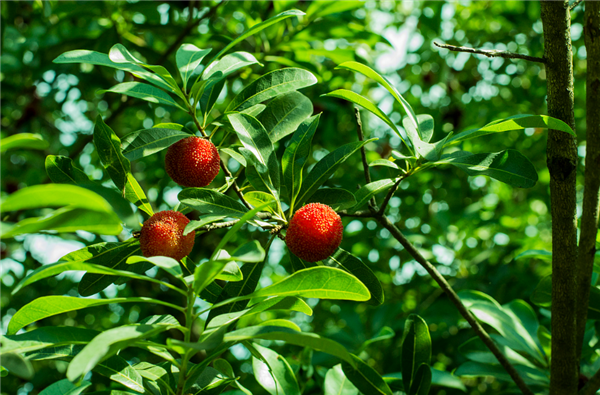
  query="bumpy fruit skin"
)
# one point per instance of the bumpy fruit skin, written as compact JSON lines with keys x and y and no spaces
{"x":315,"y":232}
{"x":192,"y":162}
{"x":162,"y":235}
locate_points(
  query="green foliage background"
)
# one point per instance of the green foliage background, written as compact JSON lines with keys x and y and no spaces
{"x":472,"y":227}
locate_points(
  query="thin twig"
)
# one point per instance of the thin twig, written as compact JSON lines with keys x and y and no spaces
{"x":234,"y":185}
{"x":490,"y":53}
{"x":462,"y":309}
{"x":393,"y":190}
{"x":575,"y":4}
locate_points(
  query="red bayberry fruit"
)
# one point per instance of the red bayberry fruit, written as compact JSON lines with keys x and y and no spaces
{"x":315,"y":232}
{"x":162,"y":235}
{"x":192,"y":162}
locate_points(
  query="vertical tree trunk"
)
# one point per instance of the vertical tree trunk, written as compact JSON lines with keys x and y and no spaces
{"x":589,"y":216}
{"x":562,"y":164}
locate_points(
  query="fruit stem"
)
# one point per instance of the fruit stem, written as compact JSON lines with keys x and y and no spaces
{"x":189,"y":321}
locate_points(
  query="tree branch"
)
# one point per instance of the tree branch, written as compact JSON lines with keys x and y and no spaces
{"x":490,"y":53}
{"x":462,"y":309}
{"x":575,"y":4}
{"x":591,"y":387}
{"x":589,"y":216}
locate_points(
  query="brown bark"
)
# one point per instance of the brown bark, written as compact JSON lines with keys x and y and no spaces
{"x":589,"y":216}
{"x":562,"y":164}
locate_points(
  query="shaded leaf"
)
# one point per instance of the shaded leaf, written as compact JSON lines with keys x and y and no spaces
{"x":146,"y":142}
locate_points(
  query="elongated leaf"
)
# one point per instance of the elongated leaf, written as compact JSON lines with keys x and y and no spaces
{"x":366,"y":104}
{"x":426,"y":126}
{"x":319,"y":282}
{"x":60,"y":267}
{"x":476,"y":369}
{"x":256,"y":198}
{"x":321,"y":8}
{"x":108,"y":343}
{"x":69,"y":219}
{"x":290,"y":336}
{"x":17,"y":365}
{"x":65,"y":387}
{"x":118,"y":167}
{"x":336,"y":198}
{"x":255,"y":29}
{"x":143,"y":91}
{"x":275,"y":374}
{"x":205,"y":220}
{"x":208,"y":201}
{"x":384,"y":162}
{"x":54,"y":195}
{"x":431,"y":152}
{"x":508,"y":166}
{"x":325,"y":168}
{"x":270,"y":85}
{"x":23,"y":140}
{"x":62,"y":170}
{"x":336,"y":383}
{"x":295,"y":156}
{"x":146,"y":142}
{"x":365,"y":378}
{"x":384,"y":333}
{"x":540,"y":254}
{"x":256,"y":140}
{"x":111,"y":255}
{"x":208,"y":95}
{"x":229,"y":64}
{"x":169,"y":265}
{"x":516,"y":122}
{"x":40,"y":338}
{"x":235,"y":155}
{"x":357,"y":267}
{"x":100,"y":59}
{"x":299,"y":264}
{"x":47,"y":306}
{"x":416,"y":348}
{"x":366,"y":192}
{"x":287,"y":303}
{"x":188,"y":58}
{"x":369,"y":72}
{"x":475,"y":350}
{"x":284,"y":114}
{"x":422,"y":381}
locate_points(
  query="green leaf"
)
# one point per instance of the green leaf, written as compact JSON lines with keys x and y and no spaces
{"x":431,"y":152}
{"x":60,"y":267}
{"x":416,"y":348}
{"x":62,"y":170}
{"x":255,"y":29}
{"x":319,"y":282}
{"x":229,"y":64}
{"x":366,"y":104}
{"x":284,"y":114}
{"x":23,"y":140}
{"x":17,"y":365}
{"x":516,"y":122}
{"x":365,"y":378}
{"x":290,"y":336}
{"x":369,"y":72}
{"x":65,"y":387}
{"x":325,"y":168}
{"x":286,"y":303}
{"x":270,"y":85}
{"x":299,"y":264}
{"x":476,"y":369}
{"x":169,"y":265}
{"x":44,"y":337}
{"x":69,"y":219}
{"x":426,"y":126}
{"x":357,"y":267}
{"x":255,"y":139}
{"x":209,"y":94}
{"x":204,"y":220}
{"x":540,"y":254}
{"x":235,"y":155}
{"x":384,"y":162}
{"x":422,"y":381}
{"x":249,"y":252}
{"x":54,"y":195}
{"x":231,"y":272}
{"x":323,"y":8}
{"x":208,"y":271}
{"x":143,"y":91}
{"x":508,"y":166}
{"x":275,"y":374}
{"x":188,"y":58}
{"x":295,"y":156}
{"x":208,"y":201}
{"x":366,"y":192}
{"x":475,"y":350}
{"x":384,"y":333}
{"x":146,"y":142}
{"x":336,"y":198}
{"x":256,"y":198}
{"x":336,"y":383}
{"x":109,"y":342}
{"x":47,"y":306}
{"x":100,"y":59}
{"x":118,"y":167}
{"x":542,"y":296}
